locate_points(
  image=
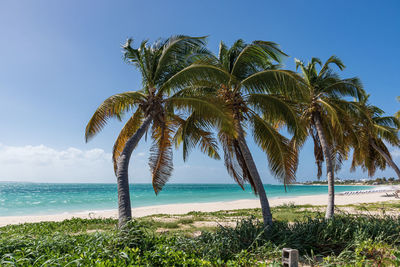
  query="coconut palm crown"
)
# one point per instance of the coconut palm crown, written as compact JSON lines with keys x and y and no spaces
{"x":253,"y":89}
{"x":373,"y":131}
{"x":323,"y":113}
{"x":155,"y":106}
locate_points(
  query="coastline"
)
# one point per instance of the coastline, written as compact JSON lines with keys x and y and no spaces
{"x":317,"y":200}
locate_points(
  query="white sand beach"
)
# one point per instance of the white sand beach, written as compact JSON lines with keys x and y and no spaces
{"x":366,"y":196}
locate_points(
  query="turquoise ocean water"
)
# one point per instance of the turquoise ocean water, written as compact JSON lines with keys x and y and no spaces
{"x":44,"y":198}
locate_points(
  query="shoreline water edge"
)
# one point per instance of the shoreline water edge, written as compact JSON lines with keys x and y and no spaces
{"x":377,"y":194}
{"x":19,"y":199}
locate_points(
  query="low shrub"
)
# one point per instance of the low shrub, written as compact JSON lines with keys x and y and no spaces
{"x":343,"y":240}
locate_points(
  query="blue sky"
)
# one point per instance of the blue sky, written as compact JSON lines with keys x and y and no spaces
{"x":60,"y":59}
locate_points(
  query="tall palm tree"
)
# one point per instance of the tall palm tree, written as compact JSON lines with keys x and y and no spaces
{"x":252,"y":88}
{"x":324,"y":114}
{"x":373,"y":129}
{"x":161,"y":66}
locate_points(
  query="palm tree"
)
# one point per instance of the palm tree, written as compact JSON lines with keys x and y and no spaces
{"x":324,"y":115}
{"x":372,"y":130}
{"x":161,"y":66}
{"x":398,"y":112}
{"x":251,"y":88}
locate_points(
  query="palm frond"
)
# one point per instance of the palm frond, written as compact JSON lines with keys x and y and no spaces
{"x":194,"y":131}
{"x":273,"y":81}
{"x":315,"y":61}
{"x":256,"y":57}
{"x":136,"y":58}
{"x":195,"y":74}
{"x":202,"y":89}
{"x":131,"y":126}
{"x":114,"y":106}
{"x":388,"y":121}
{"x":367,"y":157}
{"x":304,"y":71}
{"x":331,"y":111}
{"x":332,"y":60}
{"x":160,"y":161}
{"x":234,"y":161}
{"x":232,"y":54}
{"x":318,"y":152}
{"x":388,"y":134}
{"x":282,"y":158}
{"x":176,"y":51}
{"x":276,"y":108}
{"x":222,"y":51}
{"x":272,"y":49}
{"x":205,"y":107}
{"x":346,"y":87}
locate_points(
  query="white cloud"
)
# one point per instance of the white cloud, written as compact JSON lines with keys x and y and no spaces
{"x":45,"y":164}
{"x":42,"y":163}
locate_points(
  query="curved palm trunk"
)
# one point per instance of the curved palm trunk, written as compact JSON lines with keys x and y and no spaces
{"x":387,"y":158}
{"x":248,"y":158}
{"x":124,"y":201}
{"x":330,"y":175}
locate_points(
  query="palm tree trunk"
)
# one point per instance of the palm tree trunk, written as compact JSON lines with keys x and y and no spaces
{"x":330,"y":209}
{"x":124,"y":201}
{"x":248,"y":158}
{"x":386,"y":157}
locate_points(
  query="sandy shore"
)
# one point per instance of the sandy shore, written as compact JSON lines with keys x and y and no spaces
{"x":205,"y":207}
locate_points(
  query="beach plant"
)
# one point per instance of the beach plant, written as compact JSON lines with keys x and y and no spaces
{"x":164,"y":66}
{"x":323,"y":113}
{"x":345,"y":240}
{"x":374,"y":130}
{"x":249,"y":83}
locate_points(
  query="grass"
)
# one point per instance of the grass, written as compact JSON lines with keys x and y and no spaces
{"x":185,"y":221}
{"x":378,"y":206}
{"x":204,"y":239}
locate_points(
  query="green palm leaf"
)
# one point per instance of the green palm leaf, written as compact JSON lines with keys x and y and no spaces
{"x":272,"y":81}
{"x":191,"y":134}
{"x":193,"y":75}
{"x":281,"y":158}
{"x":279,"y":109}
{"x":114,"y":106}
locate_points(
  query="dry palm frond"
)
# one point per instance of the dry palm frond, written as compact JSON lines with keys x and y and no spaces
{"x":234,"y":161}
{"x":160,"y":160}
{"x":131,"y":126}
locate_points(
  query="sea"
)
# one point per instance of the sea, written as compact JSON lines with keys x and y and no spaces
{"x":18,"y":199}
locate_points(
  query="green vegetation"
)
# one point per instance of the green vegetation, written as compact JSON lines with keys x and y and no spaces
{"x":192,"y":240}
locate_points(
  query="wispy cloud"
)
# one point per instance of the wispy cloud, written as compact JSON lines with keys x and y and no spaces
{"x":43,"y":163}
{"x":43,"y":155}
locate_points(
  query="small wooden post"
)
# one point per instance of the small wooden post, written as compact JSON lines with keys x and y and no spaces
{"x":290,"y":257}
